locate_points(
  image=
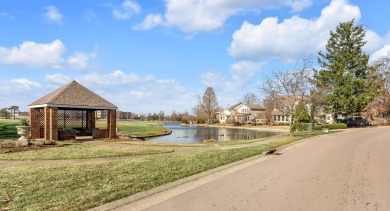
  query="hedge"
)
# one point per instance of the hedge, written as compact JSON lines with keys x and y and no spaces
{"x":332,"y":126}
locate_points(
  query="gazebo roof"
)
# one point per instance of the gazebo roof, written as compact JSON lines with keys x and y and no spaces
{"x":73,"y":95}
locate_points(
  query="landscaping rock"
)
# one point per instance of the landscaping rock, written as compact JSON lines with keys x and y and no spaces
{"x":209,"y":140}
{"x":22,"y":143}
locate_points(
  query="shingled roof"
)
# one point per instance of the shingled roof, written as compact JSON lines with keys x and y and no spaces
{"x":73,"y":95}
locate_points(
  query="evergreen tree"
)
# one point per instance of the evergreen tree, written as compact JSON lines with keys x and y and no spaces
{"x":345,"y":75}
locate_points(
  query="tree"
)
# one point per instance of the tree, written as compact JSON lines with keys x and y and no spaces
{"x":380,"y":106}
{"x":344,"y":75}
{"x":14,"y":109}
{"x":208,"y":104}
{"x":250,"y":98}
{"x":161,"y":116}
{"x":285,"y":90}
{"x":316,"y":102}
{"x":4,"y":113}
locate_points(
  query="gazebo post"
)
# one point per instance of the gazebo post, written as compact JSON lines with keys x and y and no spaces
{"x":51,"y":123}
{"x":111,"y":123}
{"x":90,"y":119}
{"x":34,"y":123}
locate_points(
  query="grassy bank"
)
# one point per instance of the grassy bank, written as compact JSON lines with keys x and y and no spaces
{"x":136,"y":128}
{"x":80,"y":151}
{"x":83,"y":186}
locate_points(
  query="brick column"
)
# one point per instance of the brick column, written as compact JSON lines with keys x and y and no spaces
{"x":34,"y":123}
{"x":54,"y":124}
{"x":111,"y":123}
{"x":90,"y":119}
{"x":46,"y":112}
{"x":51,"y":123}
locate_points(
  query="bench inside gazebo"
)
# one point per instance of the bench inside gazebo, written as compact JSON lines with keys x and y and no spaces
{"x":69,"y":112}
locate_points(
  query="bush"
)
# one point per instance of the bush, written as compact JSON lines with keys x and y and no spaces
{"x":200,"y":121}
{"x":332,"y":126}
{"x":237,"y":124}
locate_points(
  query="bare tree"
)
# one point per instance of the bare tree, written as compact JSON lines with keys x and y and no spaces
{"x":208,"y":104}
{"x":161,"y":116}
{"x":381,"y":105}
{"x":284,"y":90}
{"x":250,"y":98}
{"x":316,"y":102}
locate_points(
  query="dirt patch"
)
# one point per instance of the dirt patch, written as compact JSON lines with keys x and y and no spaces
{"x":22,"y":149}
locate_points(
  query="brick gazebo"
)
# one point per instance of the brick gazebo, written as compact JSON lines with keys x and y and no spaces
{"x":69,"y":112}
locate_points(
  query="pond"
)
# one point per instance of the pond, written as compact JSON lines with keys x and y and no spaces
{"x":195,"y":134}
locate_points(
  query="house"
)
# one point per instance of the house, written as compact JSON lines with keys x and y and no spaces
{"x":242,"y":113}
{"x":287,"y":104}
{"x":223,"y":115}
{"x":278,"y":116}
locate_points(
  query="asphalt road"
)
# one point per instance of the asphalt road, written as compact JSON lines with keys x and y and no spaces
{"x":342,"y":171}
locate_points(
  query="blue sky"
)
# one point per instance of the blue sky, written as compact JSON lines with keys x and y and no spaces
{"x":157,"y":55}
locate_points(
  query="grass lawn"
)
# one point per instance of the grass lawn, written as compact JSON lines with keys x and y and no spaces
{"x":83,"y":186}
{"x":8,"y":129}
{"x":136,"y":128}
{"x":80,"y":151}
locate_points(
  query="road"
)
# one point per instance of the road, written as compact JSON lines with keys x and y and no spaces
{"x":342,"y":171}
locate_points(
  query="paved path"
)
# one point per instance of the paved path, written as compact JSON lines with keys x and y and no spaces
{"x":342,"y":171}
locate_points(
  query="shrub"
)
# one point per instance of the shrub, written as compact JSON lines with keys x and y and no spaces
{"x":237,"y":124}
{"x":24,"y":122}
{"x":200,"y":121}
{"x":332,"y":126}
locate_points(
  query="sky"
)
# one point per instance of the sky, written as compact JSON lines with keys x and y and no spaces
{"x":147,"y":56}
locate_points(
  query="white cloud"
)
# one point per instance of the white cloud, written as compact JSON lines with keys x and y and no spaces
{"x":151,"y":21}
{"x":244,"y":71}
{"x":128,"y":8}
{"x":79,"y":60}
{"x":383,"y":52}
{"x":193,"y":16}
{"x":24,"y":84}
{"x":294,"y":37}
{"x":137,"y":93}
{"x":116,"y":78}
{"x":57,"y":79}
{"x":32,"y":54}
{"x":53,"y":14}
{"x":20,"y":92}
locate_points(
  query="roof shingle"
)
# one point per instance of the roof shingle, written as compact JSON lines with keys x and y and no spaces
{"x":74,"y":94}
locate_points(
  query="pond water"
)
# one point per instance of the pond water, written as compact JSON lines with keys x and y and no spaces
{"x":195,"y":134}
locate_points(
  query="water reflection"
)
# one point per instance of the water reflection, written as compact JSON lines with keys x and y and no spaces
{"x":194,"y":134}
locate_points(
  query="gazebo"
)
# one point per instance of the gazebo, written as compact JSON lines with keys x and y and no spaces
{"x":68,"y":112}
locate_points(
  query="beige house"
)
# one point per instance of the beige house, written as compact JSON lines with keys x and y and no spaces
{"x":242,"y":113}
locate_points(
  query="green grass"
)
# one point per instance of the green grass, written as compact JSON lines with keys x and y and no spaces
{"x":8,"y":129}
{"x":207,"y":144}
{"x":136,"y":128}
{"x":79,"y":151}
{"x":83,"y":186}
